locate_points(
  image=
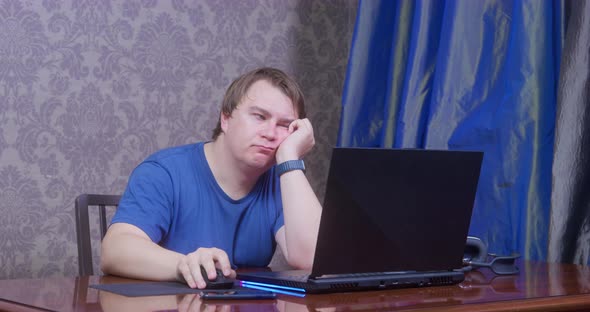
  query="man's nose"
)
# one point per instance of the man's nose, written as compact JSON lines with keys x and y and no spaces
{"x":270,"y":131}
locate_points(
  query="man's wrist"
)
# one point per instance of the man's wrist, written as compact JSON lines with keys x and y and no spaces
{"x":290,"y":165}
{"x":283,"y":156}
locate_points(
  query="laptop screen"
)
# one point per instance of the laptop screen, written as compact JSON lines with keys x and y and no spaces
{"x":396,"y":210}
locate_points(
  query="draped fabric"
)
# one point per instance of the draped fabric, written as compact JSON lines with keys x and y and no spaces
{"x":570,"y":214}
{"x":469,"y":75}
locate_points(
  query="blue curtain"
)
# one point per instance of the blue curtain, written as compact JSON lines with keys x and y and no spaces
{"x":465,"y":75}
{"x":569,"y":231}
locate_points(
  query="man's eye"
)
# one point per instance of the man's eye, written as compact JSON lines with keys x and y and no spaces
{"x":259,"y":116}
{"x":286,"y":126}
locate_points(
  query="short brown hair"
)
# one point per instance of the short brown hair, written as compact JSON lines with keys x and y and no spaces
{"x":238,"y":88}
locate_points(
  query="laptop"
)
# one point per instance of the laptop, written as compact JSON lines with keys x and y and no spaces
{"x":391,"y":218}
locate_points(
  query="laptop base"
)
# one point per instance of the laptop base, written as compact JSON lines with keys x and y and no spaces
{"x":297,"y":281}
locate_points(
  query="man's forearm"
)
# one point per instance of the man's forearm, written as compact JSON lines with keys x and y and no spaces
{"x":302,"y":212}
{"x":132,"y":256}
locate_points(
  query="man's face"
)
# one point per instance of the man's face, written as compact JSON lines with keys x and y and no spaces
{"x":258,"y":125}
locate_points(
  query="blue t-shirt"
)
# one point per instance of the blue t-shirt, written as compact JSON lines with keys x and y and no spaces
{"x":174,"y":198}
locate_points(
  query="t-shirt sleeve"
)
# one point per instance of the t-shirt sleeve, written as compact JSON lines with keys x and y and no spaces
{"x":147,"y":202}
{"x":279,"y":221}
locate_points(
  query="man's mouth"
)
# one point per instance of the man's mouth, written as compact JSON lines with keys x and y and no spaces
{"x":265,"y":149}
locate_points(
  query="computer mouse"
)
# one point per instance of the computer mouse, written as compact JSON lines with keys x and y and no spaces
{"x":220,"y":282}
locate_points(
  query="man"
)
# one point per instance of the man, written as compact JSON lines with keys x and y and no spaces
{"x":223,"y":203}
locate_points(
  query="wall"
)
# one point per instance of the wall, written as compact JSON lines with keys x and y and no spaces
{"x":90,"y":88}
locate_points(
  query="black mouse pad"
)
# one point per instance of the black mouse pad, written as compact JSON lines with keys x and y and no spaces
{"x":151,"y":289}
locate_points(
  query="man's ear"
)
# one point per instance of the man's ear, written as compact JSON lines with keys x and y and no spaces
{"x":223,"y":120}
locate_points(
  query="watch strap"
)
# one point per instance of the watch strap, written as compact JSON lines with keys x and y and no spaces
{"x":290,"y":165}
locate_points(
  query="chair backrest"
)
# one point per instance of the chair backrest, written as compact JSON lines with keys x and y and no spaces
{"x":83,"y":202}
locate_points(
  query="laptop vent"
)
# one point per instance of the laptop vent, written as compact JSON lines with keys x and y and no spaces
{"x":292,"y":284}
{"x":344,"y":285}
{"x":441,"y":280}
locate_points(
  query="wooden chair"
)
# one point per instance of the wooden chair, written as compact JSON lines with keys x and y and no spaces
{"x":83,"y":203}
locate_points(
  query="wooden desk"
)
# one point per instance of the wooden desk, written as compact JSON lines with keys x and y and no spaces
{"x":539,"y":287}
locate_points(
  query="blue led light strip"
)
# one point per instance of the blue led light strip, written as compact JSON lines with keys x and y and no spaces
{"x":298,"y":292}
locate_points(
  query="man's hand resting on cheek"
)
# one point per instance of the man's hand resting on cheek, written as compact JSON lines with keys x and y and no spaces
{"x":298,"y":143}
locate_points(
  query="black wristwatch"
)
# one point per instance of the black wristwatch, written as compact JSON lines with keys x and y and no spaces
{"x":290,"y":165}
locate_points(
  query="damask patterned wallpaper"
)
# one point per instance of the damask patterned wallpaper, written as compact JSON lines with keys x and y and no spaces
{"x":90,"y":88}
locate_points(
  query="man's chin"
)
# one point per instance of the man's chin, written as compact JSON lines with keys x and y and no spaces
{"x":262,"y":165}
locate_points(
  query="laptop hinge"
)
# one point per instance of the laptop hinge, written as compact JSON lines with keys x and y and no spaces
{"x":365,"y":274}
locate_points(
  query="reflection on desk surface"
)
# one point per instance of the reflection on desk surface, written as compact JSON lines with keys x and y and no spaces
{"x":537,"y":280}
{"x":380,"y":300}
{"x":111,"y":302}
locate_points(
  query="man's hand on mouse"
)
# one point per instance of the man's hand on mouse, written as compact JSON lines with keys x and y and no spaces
{"x":189,"y":266}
